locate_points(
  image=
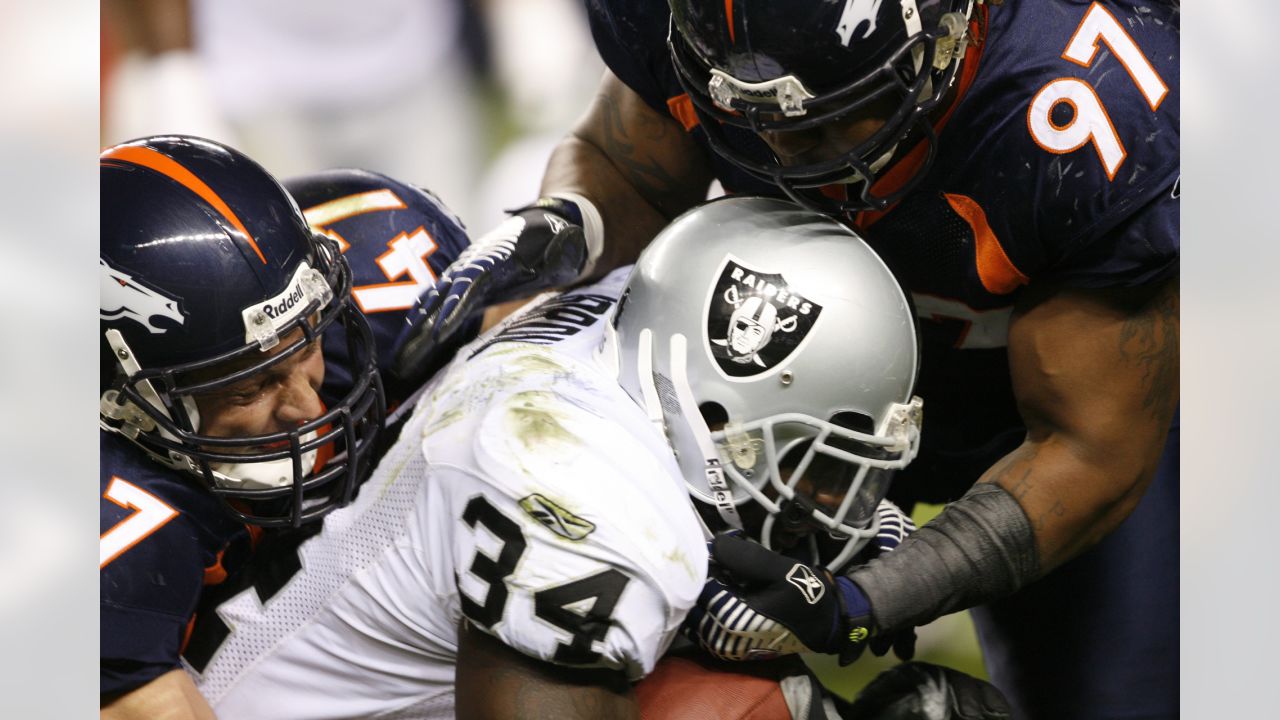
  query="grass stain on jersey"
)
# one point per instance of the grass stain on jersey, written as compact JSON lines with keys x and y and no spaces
{"x":677,"y":557}
{"x":456,"y":398}
{"x":535,"y":364}
{"x":533,"y":420}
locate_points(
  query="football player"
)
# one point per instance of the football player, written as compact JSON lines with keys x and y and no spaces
{"x":240,"y":385}
{"x":535,"y":537}
{"x":1017,"y":165}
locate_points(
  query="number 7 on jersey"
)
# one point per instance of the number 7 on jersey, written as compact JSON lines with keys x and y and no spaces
{"x":150,"y":514}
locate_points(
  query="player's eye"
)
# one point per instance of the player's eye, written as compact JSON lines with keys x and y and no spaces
{"x":243,"y":393}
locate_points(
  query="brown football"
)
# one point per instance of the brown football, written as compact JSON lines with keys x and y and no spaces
{"x":689,"y":686}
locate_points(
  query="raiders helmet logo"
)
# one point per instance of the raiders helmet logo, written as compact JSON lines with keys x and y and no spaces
{"x":755,"y":319}
{"x":122,"y":296}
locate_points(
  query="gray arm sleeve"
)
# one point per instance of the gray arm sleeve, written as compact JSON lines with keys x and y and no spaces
{"x":979,"y":548}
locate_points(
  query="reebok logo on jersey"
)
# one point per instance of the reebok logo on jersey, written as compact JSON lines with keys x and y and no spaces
{"x":560,"y":521}
{"x":755,"y":320}
{"x":808,"y":583}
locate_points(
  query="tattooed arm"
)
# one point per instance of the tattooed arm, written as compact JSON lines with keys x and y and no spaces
{"x":1096,"y":377}
{"x":496,"y":681}
{"x":636,"y":165}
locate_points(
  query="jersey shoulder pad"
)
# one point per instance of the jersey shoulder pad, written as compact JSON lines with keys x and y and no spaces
{"x":572,"y":322}
{"x":397,"y":238}
{"x":610,"y":555}
{"x":1069,"y":129}
{"x":631,"y":37}
{"x":160,"y":543}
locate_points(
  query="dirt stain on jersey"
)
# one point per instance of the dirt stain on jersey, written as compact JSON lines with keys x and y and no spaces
{"x":533,"y":363}
{"x":533,"y":419}
{"x":678,"y":557}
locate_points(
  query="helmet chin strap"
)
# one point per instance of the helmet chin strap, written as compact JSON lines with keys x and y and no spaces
{"x":688,"y":419}
{"x":876,"y":166}
{"x":262,"y":475}
{"x":721,"y":492}
{"x":135,"y":420}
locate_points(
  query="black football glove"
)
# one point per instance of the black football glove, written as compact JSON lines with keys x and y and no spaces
{"x":756,"y":603}
{"x":540,"y":246}
{"x":921,"y":691}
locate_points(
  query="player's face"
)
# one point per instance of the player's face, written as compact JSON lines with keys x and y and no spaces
{"x":830,"y":140}
{"x":827,"y":490}
{"x":278,"y":399}
{"x":745,"y":336}
{"x":825,"y":484}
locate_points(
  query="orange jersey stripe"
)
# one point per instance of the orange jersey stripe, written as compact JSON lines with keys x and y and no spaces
{"x":216,"y":574}
{"x":681,"y":108}
{"x":996,"y":271}
{"x":148,"y":158}
{"x":186,"y":635}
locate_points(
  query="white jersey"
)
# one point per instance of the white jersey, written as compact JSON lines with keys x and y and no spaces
{"x":527,"y":492}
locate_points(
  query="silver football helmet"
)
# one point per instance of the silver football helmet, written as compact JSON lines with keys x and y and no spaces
{"x":771,"y":343}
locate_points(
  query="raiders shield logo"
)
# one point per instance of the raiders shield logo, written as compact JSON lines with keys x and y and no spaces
{"x":755,"y":319}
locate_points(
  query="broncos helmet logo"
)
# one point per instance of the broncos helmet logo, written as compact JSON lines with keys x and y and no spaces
{"x":122,"y":297}
{"x":857,"y":12}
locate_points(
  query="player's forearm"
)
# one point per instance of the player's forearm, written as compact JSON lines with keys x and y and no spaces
{"x":171,"y":696}
{"x":630,"y":221}
{"x":638,"y":167}
{"x":1070,"y":502}
{"x":1037,"y":507}
{"x":497,"y":682}
{"x":1096,"y":375}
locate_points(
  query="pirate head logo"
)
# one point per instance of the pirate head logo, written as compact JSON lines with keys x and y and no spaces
{"x":755,"y":320}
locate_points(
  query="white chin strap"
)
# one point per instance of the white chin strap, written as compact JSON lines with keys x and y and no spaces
{"x":262,"y":475}
{"x":718,"y":490}
{"x":876,"y":166}
{"x":721,"y":492}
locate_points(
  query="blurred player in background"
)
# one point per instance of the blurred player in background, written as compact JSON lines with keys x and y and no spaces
{"x":387,"y":85}
{"x":450,"y":94}
{"x":1016,"y":165}
{"x":241,"y":349}
{"x":533,"y":541}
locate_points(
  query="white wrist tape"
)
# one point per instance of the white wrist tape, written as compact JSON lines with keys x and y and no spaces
{"x":592,"y":229}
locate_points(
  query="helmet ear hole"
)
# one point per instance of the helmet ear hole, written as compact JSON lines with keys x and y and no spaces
{"x":714,"y":414}
{"x":853,"y":420}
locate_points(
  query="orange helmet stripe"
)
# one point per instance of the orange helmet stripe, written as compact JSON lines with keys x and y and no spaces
{"x":148,"y":158}
{"x":728,"y":17}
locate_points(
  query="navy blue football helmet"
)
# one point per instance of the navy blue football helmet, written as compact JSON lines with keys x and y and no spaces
{"x":206,"y":267}
{"x":791,"y":66}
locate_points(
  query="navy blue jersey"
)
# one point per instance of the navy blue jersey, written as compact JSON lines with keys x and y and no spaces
{"x":163,"y":540}
{"x":167,"y":545}
{"x":1057,"y":162}
{"x":398,"y":239}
